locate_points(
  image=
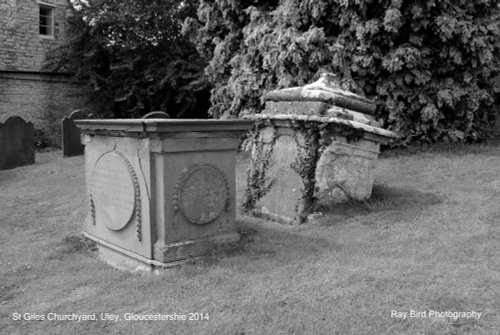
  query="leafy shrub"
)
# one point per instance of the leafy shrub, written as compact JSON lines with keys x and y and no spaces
{"x":432,"y":67}
{"x":134,"y":56}
{"x":42,"y":141}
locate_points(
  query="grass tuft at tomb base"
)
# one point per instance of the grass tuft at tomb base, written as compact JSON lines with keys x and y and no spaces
{"x":428,"y":240}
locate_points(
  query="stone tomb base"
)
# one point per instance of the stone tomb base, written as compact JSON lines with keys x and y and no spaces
{"x":122,"y":259}
{"x":299,"y":166}
{"x":160,"y":191}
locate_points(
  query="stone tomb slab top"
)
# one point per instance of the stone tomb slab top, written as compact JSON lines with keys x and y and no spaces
{"x":129,"y":126}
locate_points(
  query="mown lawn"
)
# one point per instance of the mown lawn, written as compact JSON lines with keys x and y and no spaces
{"x":428,"y":240}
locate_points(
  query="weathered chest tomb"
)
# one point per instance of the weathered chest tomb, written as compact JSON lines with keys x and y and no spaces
{"x":159,"y":190}
{"x":313,"y":147}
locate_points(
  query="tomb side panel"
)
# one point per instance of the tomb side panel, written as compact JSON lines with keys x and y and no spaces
{"x":134,"y":167}
{"x":345,"y":171}
{"x":282,"y":200}
{"x":181,"y":181}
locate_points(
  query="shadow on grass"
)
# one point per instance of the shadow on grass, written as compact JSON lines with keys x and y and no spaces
{"x":73,"y":245}
{"x":80,"y":245}
{"x":266,"y":243}
{"x":280,"y":242}
{"x":258,"y":241}
{"x":385,"y":198}
{"x":241,"y":247}
{"x":11,"y":176}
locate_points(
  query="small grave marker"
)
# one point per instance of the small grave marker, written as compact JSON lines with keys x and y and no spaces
{"x":17,"y":143}
{"x":71,"y":142}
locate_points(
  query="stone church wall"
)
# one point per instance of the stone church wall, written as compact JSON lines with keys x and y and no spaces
{"x":28,"y":88}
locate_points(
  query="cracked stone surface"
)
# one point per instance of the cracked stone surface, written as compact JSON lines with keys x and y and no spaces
{"x":344,"y":172}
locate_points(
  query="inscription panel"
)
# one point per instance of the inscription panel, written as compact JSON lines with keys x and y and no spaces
{"x":112,"y":190}
{"x":202,"y":194}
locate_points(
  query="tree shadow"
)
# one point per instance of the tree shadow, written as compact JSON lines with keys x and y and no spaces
{"x":385,"y":198}
{"x":266,"y":243}
{"x":72,"y":245}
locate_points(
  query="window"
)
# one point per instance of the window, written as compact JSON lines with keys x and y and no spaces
{"x":46,"y":21}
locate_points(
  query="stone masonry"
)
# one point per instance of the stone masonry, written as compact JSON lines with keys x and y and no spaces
{"x":27,"y":87}
{"x":160,"y":191}
{"x":21,"y":46}
{"x":313,"y":147}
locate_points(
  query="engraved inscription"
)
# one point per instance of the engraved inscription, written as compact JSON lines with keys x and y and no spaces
{"x":113,"y":191}
{"x":203,"y":194}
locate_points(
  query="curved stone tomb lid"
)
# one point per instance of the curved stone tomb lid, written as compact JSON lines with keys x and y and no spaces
{"x":78,"y":114}
{"x":327,"y":90}
{"x":156,"y":115}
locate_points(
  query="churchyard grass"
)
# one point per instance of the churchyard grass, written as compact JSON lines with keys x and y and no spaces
{"x":428,"y":240}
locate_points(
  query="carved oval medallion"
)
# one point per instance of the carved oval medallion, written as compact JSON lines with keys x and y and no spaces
{"x":203,"y":193}
{"x":112,"y":189}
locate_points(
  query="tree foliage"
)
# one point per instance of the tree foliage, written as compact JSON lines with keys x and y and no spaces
{"x":133,"y":54}
{"x":432,"y":66}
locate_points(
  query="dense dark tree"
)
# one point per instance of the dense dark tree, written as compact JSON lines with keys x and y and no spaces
{"x":432,"y":66}
{"x":133,"y":54}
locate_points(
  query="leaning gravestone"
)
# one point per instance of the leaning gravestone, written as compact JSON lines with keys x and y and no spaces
{"x":156,"y":115}
{"x":71,"y":143}
{"x":314,"y":146}
{"x":160,"y":191}
{"x":17,"y":143}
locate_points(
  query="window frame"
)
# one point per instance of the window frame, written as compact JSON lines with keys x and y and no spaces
{"x":51,"y":17}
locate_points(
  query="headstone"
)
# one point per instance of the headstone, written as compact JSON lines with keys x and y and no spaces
{"x":160,"y":191}
{"x":71,"y":143}
{"x":17,"y":143}
{"x":316,"y":144}
{"x":156,"y":115}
